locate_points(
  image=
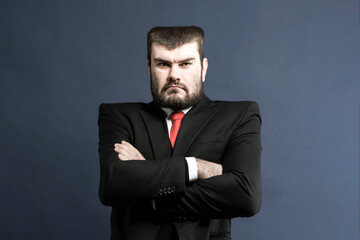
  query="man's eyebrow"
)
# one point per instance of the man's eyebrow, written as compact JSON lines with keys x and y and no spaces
{"x":166,"y":61}
{"x":161,"y":60}
{"x":187,"y":60}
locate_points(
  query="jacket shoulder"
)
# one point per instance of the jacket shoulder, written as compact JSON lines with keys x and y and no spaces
{"x":238,"y":109}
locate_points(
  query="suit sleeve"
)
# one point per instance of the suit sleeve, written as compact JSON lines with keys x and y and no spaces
{"x":124,"y":182}
{"x":235,"y":193}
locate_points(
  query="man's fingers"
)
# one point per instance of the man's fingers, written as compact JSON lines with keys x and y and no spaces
{"x":125,"y":143}
{"x":131,"y":148}
{"x":121,"y":147}
{"x":136,"y":155}
{"x":128,"y":151}
{"x":123,"y":153}
{"x":126,"y":146}
{"x":118,"y":149}
{"x":122,"y":157}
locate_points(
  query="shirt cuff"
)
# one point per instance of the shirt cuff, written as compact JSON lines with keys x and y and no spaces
{"x":192,"y":168}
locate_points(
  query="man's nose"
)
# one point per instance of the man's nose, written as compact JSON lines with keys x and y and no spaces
{"x":174,"y":72}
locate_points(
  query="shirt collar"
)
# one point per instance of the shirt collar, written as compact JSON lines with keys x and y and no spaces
{"x":169,"y":111}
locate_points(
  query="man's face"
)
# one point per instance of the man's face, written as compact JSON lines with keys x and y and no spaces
{"x":177,"y":75}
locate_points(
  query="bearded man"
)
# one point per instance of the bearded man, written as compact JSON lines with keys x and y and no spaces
{"x":181,"y":166}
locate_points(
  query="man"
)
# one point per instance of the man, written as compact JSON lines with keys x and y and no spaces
{"x":181,"y":166}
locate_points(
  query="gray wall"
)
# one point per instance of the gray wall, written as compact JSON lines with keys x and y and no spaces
{"x":299,"y":59}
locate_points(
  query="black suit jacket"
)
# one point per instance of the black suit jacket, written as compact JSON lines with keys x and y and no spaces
{"x":223,"y":132}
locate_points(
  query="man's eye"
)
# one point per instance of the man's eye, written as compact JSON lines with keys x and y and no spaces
{"x":163,"y":64}
{"x":185,"y":64}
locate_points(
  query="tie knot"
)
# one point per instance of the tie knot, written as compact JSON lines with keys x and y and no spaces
{"x":176,"y":116}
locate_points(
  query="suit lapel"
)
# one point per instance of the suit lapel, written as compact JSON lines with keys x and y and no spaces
{"x":154,"y":120}
{"x":192,"y":124}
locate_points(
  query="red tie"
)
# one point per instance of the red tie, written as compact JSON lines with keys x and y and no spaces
{"x":175,"y":118}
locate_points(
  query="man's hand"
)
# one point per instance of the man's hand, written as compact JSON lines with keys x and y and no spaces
{"x":126,"y":151}
{"x":208,"y":169}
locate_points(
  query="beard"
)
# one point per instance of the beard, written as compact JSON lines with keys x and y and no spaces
{"x":170,"y":99}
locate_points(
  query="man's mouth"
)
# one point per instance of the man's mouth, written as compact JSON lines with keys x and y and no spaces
{"x":174,"y":86}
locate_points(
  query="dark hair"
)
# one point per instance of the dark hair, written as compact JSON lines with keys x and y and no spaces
{"x":173,"y":37}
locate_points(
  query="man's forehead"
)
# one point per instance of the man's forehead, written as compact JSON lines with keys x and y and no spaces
{"x":185,"y":51}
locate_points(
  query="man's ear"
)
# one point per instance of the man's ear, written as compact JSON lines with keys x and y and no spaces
{"x":204,"y":68}
{"x":148,"y":66}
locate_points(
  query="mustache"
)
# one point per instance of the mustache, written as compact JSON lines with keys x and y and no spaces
{"x":172,"y":83}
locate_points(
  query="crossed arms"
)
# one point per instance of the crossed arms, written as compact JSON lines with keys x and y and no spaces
{"x":206,"y":169}
{"x":226,"y":190}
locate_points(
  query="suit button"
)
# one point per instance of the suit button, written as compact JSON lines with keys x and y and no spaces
{"x":180,"y":218}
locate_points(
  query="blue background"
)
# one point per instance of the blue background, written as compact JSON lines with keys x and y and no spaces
{"x":300,"y":60}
